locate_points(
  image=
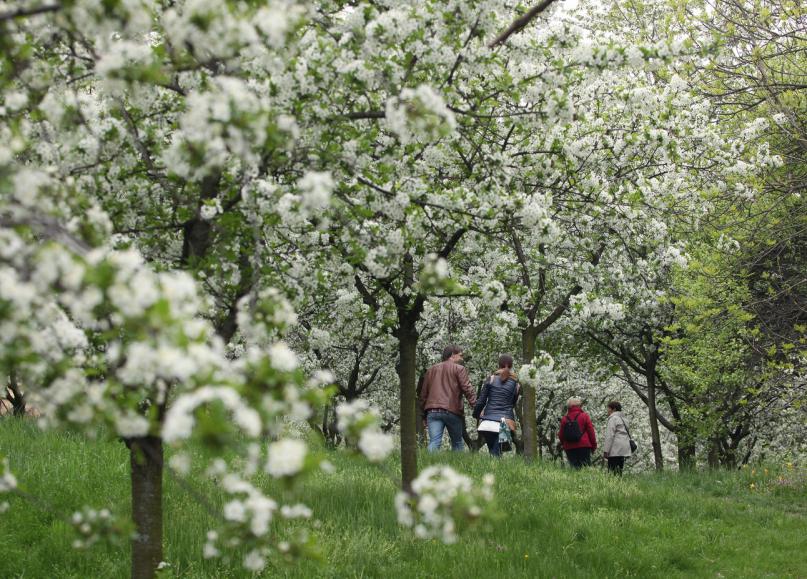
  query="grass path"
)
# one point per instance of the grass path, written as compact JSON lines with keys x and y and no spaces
{"x":553,"y":522}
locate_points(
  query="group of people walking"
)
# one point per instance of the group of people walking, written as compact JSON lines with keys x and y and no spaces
{"x":617,"y":446}
{"x":445,"y":383}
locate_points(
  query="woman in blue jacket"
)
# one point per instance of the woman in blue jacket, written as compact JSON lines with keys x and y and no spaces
{"x":496,"y":402}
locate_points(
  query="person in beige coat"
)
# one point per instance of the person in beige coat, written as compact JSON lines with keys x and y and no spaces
{"x":616,"y":447}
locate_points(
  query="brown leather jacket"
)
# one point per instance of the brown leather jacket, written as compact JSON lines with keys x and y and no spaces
{"x":443,"y":387}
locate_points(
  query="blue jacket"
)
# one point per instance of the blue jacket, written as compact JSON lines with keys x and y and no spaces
{"x":497,"y":399}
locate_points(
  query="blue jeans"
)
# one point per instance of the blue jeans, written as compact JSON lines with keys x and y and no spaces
{"x":439,"y":420}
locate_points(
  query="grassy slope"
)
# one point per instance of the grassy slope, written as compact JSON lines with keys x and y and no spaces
{"x":554,"y":523}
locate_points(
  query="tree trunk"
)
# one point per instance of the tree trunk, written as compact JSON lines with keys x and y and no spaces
{"x":686,"y":455}
{"x":651,"y":357}
{"x":407,"y":370}
{"x":228,"y":326}
{"x":728,"y":458}
{"x":713,"y":453}
{"x":329,"y":430}
{"x":528,"y":425}
{"x":15,"y":395}
{"x":541,"y":426}
{"x":197,"y":232}
{"x":146,"y":459}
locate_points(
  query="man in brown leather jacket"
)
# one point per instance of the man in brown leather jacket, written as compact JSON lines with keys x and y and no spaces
{"x":441,"y":398}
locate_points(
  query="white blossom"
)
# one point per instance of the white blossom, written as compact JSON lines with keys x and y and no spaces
{"x":298,"y":511}
{"x":254,"y":561}
{"x":132,"y":426}
{"x":282,"y":357}
{"x":286,"y":457}
{"x":8,"y":482}
{"x":375,"y":444}
{"x":440,"y":494}
{"x":316,"y":190}
{"x":235,"y":511}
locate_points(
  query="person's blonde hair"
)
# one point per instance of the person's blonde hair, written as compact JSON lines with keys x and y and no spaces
{"x":574,"y":401}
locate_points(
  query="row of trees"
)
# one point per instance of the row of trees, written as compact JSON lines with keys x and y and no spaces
{"x":205,"y":203}
{"x":728,"y":359}
{"x":636,"y":263}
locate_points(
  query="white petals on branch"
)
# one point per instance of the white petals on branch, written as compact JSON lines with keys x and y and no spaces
{"x":375,"y":445}
{"x":93,"y":525}
{"x":282,"y":357}
{"x":228,"y":119}
{"x":443,"y":498}
{"x":355,"y":413}
{"x":539,"y":372}
{"x":123,"y":54}
{"x":180,"y":419}
{"x":180,"y":463}
{"x":316,"y":190}
{"x":359,"y":423}
{"x":263,"y":315}
{"x":286,"y":458}
{"x":131,"y":425}
{"x":419,"y":113}
{"x":493,"y":293}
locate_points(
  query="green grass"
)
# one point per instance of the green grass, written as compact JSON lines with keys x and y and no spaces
{"x":553,"y":522}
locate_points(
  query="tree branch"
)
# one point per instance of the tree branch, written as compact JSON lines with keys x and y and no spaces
{"x":363,"y":115}
{"x":637,"y":389}
{"x":452,"y":243}
{"x":561,"y":307}
{"x":48,"y":228}
{"x":366,"y":296}
{"x":520,"y":23}
{"x":25,"y":12}
{"x":522,"y":259}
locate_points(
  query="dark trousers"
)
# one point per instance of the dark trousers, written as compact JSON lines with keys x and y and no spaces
{"x":492,"y":440}
{"x":579,"y":457}
{"x":616,"y":464}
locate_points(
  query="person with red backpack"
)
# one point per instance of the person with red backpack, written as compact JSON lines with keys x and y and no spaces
{"x":577,"y":434}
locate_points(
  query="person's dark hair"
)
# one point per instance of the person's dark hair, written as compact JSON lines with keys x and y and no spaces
{"x":450,"y":350}
{"x":505,"y":367}
{"x":615,"y":406}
